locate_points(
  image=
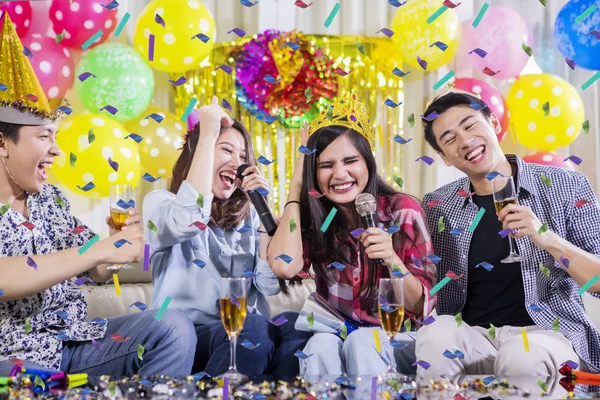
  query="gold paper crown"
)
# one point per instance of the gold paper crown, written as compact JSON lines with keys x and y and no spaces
{"x":22,"y":99}
{"x":349,"y":113}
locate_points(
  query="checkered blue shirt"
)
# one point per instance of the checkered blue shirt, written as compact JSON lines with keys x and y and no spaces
{"x":557,"y":295}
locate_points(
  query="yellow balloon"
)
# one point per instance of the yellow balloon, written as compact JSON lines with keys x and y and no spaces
{"x":90,"y":159}
{"x":545,"y":111}
{"x":161,"y":142}
{"x":176,"y":47}
{"x":415,"y":36}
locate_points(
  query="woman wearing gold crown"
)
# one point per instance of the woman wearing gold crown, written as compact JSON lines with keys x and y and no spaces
{"x":347,"y":269}
{"x":42,"y":312}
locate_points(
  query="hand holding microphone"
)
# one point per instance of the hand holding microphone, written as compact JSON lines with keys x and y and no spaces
{"x":378,"y":244}
{"x":252,"y":179}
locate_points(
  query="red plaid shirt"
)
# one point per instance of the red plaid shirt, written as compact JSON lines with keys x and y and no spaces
{"x":343,"y":290}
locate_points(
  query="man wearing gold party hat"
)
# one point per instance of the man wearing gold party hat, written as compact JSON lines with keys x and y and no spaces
{"x":42,"y":312}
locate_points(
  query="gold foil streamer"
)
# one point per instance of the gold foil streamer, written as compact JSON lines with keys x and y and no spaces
{"x":370,"y":78}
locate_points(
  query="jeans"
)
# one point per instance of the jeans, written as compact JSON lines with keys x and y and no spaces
{"x":169,"y":348}
{"x":272,"y":358}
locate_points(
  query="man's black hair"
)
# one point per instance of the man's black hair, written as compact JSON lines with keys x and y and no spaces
{"x":443,"y":104}
{"x":10,"y":131}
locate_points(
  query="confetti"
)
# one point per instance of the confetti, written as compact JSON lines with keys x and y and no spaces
{"x":337,"y":265}
{"x":99,"y":321}
{"x":3,"y":87}
{"x":440,"y":45}
{"x":357,"y":232}
{"x":112,"y":5}
{"x":341,"y":72}
{"x":458,"y":319}
{"x":377,"y":340}
{"x":285,"y":258}
{"x":537,"y":308}
{"x":489,"y":380}
{"x":265,"y":161}
{"x":422,"y":364}
{"x":241,"y":33}
{"x":485,"y":265}
{"x":315,"y":193}
{"x":492,"y":332}
{"x":570,"y":63}
{"x":480,"y":15}
{"x":437,"y":14}
{"x":117,"y":285}
{"x":588,"y":11}
{"x":92,"y":39}
{"x":564,"y":261}
{"x":452,"y":356}
{"x":590,"y":81}
{"x":546,"y":108}
{"x":505,"y":232}
{"x":360,"y":47}
{"x":198,"y":263}
{"x":89,"y":244}
{"x":411,"y":120}
{"x":279,"y":321}
{"x":199,"y":225}
{"x":292,"y":45}
{"x":87,"y":187}
{"x":391,"y":103}
{"x":595,"y":33}
{"x":573,"y":159}
{"x":556,"y":325}
{"x":135,"y":137}
{"x":493,"y":175}
{"x":543,"y":385}
{"x":140,"y":352}
{"x":146,"y":257}
{"x":243,"y":229}
{"x":581,"y":203}
{"x":399,"y":181}
{"x":72,"y":159}
{"x":113,"y":164}
{"x":545,"y":271}
{"x":588,"y":285}
{"x":156,"y":117}
{"x":39,"y":382}
{"x":308,"y":94}
{"x":270,"y":79}
{"x":463,"y":193}
{"x":450,"y":4}
{"x":247,"y":3}
{"x":387,"y":32}
{"x":490,"y":72}
{"x":250,"y":274}
{"x":159,"y":20}
{"x":439,"y":285}
{"x":396,"y":3}
{"x":344,"y":332}
{"x":83,"y":281}
{"x":431,"y":116}
{"x":226,"y":68}
{"x":441,"y":226}
{"x":122,"y":24}
{"x":112,"y":110}
{"x":328,"y":219}
{"x":433,"y":258}
{"x":180,"y":81}
{"x":480,"y":52}
{"x":543,"y":2}
{"x":32,"y":263}
{"x":201,"y":36}
{"x":293,"y":225}
{"x":58,"y":38}
{"x":138,"y":304}
{"x":149,"y":178}
{"x":525,"y":339}
{"x":457,"y":231}
{"x":398,"y":345}
{"x":27,"y":53}
{"x":163,"y":308}
{"x":189,"y":109}
{"x":527,"y":49}
{"x":311,"y":320}
{"x":547,"y":181}
{"x":475,"y":222}
{"x":249,"y":345}
{"x":150,"y":225}
{"x":28,"y":328}
{"x":118,"y":338}
{"x":422,"y":63}
{"x":398,"y":72}
{"x":543,"y":228}
{"x":427,"y":321}
{"x":301,"y":4}
{"x":1,"y":292}
{"x":151,"y":47}
{"x":397,"y":272}
{"x":586,"y":126}
{"x":332,"y":15}
{"x":426,"y":159}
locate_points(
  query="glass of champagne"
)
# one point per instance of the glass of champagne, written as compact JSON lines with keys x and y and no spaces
{"x":233,"y":314}
{"x":119,"y":212}
{"x":391,"y":314}
{"x":505,"y":194}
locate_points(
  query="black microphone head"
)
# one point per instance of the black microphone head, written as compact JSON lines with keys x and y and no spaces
{"x":365,"y":204}
{"x":241,"y":170}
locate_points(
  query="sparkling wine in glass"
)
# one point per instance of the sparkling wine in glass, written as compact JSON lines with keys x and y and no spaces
{"x":233,"y":314}
{"x":119,"y":212}
{"x":505,"y":194}
{"x":391,"y":314}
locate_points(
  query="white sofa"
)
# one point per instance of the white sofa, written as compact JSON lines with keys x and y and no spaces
{"x":136,"y":285}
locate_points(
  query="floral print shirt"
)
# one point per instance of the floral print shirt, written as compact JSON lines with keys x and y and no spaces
{"x":33,"y":328}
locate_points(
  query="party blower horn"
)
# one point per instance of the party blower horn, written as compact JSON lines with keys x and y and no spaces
{"x":568,"y":370}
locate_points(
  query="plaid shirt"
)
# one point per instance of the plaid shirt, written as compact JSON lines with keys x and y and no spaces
{"x":557,"y":295}
{"x":343,"y":289}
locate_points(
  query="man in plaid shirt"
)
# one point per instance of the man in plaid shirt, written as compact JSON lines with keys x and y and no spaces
{"x":508,"y":319}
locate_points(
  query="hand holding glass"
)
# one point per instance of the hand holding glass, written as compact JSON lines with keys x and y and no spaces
{"x":391,"y":313}
{"x":233,"y":315}
{"x":118,"y":214}
{"x":505,"y":194}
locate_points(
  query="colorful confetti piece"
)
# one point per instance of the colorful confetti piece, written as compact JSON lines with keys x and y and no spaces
{"x":588,"y":11}
{"x":377,"y":340}
{"x":332,"y":15}
{"x":163,"y":308}
{"x":202,"y":37}
{"x":439,"y":285}
{"x":458,"y":319}
{"x":590,"y":81}
{"x":189,"y":109}
{"x":240,"y":32}
{"x":151,"y":47}
{"x":422,"y":63}
{"x":398,"y":72}
{"x":528,"y":50}
{"x":525,"y":339}
{"x":475,"y":222}
{"x":279,"y":321}
{"x":92,"y":39}
{"x":437,"y":14}
{"x":443,"y":80}
{"x":480,"y":15}
{"x":140,"y":352}
{"x":89,"y":244}
{"x":588,"y":285}
{"x":122,"y":24}
{"x":328,"y":219}
{"x":117,"y":285}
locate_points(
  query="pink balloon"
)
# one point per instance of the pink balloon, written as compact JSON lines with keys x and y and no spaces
{"x":52,"y":64}
{"x":20,"y":15}
{"x":549,"y":159}
{"x":490,"y":95}
{"x":81,"y":19}
{"x":501,"y":33}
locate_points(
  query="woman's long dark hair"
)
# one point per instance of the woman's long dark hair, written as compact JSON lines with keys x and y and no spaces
{"x":325,"y":247}
{"x":225,"y":213}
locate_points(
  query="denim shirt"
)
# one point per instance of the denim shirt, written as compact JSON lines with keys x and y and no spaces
{"x":179,"y":246}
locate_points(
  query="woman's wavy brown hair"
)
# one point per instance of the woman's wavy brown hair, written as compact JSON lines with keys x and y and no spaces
{"x":225,"y":213}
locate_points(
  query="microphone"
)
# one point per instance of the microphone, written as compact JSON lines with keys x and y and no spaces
{"x":260,"y":203}
{"x":366,"y":207}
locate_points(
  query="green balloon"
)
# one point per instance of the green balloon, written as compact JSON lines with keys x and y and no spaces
{"x":123,"y":81}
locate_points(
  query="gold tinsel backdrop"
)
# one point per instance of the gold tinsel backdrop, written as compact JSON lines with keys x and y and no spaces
{"x":358,"y":65}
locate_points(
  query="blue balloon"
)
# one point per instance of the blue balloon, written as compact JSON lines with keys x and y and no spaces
{"x":575,"y":36}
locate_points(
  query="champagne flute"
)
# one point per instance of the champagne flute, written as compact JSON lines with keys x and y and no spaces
{"x":233,"y":315}
{"x":505,"y":194}
{"x":391,"y":314}
{"x":120,"y":195}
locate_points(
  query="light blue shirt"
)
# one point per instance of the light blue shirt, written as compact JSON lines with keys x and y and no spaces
{"x":196,"y":290}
